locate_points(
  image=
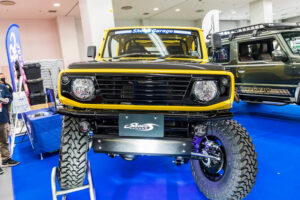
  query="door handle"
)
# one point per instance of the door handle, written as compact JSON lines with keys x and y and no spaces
{"x":241,"y":71}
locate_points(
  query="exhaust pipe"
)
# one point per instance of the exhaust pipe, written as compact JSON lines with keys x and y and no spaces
{"x":128,"y":157}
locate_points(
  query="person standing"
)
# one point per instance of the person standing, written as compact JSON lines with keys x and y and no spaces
{"x":2,"y":80}
{"x":5,"y":99}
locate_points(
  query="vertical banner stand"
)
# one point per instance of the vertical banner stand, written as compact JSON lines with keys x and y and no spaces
{"x":20,"y":106}
{"x":64,"y":193}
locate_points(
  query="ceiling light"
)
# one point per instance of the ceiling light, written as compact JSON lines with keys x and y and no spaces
{"x":177,"y":9}
{"x":7,"y":3}
{"x":56,"y":4}
{"x":233,"y":12}
{"x":155,"y":9}
{"x":200,"y":10}
{"x":126,"y":7}
{"x":52,"y":11}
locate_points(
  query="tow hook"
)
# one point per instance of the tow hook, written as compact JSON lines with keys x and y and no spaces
{"x":178,"y":161}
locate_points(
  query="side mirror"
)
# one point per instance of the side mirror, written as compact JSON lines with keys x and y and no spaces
{"x":279,"y":55}
{"x":91,"y":52}
{"x":216,"y":43}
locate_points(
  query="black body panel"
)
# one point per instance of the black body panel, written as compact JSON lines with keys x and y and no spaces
{"x":146,"y":65}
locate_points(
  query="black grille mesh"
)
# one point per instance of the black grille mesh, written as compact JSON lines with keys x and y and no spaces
{"x":143,"y":88}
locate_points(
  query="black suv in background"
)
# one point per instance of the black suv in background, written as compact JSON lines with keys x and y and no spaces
{"x":265,"y":60}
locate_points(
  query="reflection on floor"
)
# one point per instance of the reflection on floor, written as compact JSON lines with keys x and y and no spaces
{"x":275,"y":132}
{"x":6,"y":190}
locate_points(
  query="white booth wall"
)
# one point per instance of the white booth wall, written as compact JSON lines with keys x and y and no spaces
{"x":39,"y":39}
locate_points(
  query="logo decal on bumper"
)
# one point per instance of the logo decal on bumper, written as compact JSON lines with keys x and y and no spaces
{"x":140,"y":127}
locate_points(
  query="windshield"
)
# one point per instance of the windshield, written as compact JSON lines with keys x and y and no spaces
{"x":293,"y":41}
{"x":153,"y":43}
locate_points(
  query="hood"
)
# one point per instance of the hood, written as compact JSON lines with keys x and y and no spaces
{"x":146,"y":65}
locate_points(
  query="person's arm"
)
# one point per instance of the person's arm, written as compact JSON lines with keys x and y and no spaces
{"x":7,"y":96}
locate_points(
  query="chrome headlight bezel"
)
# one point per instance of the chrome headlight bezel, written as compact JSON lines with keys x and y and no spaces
{"x":205,"y":91}
{"x":83,"y":88}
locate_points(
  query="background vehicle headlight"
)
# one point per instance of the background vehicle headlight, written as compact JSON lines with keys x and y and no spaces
{"x":205,"y":90}
{"x":83,"y":88}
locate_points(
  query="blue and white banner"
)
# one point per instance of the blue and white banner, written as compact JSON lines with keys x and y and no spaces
{"x":14,"y":54}
{"x":150,"y":30}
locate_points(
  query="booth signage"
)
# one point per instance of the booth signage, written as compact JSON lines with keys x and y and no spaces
{"x":21,"y":104}
{"x":14,"y":56}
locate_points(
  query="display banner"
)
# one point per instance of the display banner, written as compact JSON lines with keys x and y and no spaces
{"x":15,"y":58}
{"x":210,"y":23}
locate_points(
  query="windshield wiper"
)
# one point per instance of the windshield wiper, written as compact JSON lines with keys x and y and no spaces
{"x":131,"y":55}
{"x":178,"y":56}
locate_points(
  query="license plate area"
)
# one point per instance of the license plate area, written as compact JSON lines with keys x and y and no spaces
{"x":141,"y":125}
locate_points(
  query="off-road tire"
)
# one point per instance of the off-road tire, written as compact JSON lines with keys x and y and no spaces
{"x":72,"y":155}
{"x":241,"y":164}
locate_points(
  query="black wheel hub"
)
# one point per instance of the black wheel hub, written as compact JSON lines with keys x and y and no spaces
{"x":213,"y":169}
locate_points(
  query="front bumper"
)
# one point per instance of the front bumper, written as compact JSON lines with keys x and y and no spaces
{"x":188,"y":116}
{"x":142,"y":146}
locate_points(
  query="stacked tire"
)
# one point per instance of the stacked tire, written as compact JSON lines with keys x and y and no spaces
{"x":34,"y":83}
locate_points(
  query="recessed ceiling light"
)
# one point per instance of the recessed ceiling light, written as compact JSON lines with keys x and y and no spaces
{"x":233,"y":12}
{"x":52,"y":11}
{"x":126,"y":7}
{"x":156,"y":9}
{"x":200,"y":10}
{"x":7,"y":3}
{"x":56,"y":4}
{"x":146,"y":13}
{"x":177,"y":9}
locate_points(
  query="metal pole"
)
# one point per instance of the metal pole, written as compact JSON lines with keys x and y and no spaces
{"x":90,"y":182}
{"x":63,"y":193}
{"x":53,"y":183}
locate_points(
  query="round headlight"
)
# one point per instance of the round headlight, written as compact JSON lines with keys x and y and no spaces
{"x":205,"y":90}
{"x":83,"y":89}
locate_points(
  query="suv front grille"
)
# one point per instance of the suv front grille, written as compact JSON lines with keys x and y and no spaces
{"x":142,"y":89}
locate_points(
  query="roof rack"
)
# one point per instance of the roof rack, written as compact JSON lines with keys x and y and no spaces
{"x":255,"y":29}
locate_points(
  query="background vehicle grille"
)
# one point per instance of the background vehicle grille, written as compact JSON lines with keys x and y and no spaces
{"x":142,"y":89}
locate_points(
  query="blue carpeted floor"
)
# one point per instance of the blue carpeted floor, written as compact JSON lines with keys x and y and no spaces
{"x":275,"y":132}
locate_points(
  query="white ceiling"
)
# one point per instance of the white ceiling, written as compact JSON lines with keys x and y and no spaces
{"x":230,"y":9}
{"x":167,"y":8}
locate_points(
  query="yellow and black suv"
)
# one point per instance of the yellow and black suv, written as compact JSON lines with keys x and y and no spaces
{"x":265,"y":60}
{"x":150,"y":92}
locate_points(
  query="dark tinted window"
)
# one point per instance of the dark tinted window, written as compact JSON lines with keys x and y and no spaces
{"x":257,"y":50}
